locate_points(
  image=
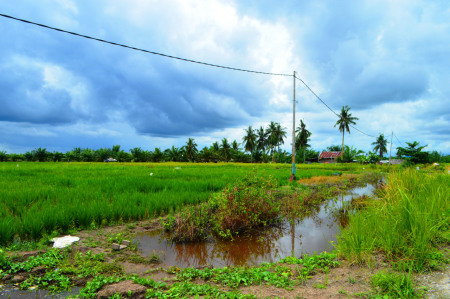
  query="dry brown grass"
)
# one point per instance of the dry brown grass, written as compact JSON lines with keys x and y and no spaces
{"x":318,"y":180}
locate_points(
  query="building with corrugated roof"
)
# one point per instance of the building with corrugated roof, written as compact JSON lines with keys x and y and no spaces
{"x":329,"y":157}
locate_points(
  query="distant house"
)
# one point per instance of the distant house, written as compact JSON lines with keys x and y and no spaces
{"x":329,"y":157}
{"x":110,"y":160}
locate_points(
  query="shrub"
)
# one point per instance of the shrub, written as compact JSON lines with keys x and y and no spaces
{"x":247,"y":204}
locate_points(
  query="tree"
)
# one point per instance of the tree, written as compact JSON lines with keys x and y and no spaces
{"x":225,"y":150}
{"x":351,"y":154}
{"x":87,"y":155}
{"x":3,"y":156}
{"x":157,"y":155}
{"x":235,"y":145}
{"x":250,"y":141}
{"x":191,"y":149}
{"x":206,"y":155}
{"x":311,"y":154}
{"x":261,"y":139}
{"x":345,"y":120}
{"x":138,"y":154}
{"x":173,"y":154}
{"x":115,"y":151}
{"x":302,"y":138}
{"x":380,"y":145}
{"x":275,"y":134}
{"x":40,"y":154}
{"x":280,"y":134}
{"x":102,"y":154}
{"x":413,"y":152}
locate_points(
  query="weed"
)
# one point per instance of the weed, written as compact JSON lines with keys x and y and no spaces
{"x":394,"y":285}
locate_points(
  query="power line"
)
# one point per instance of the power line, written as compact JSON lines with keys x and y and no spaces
{"x":316,"y":95}
{"x":323,"y":102}
{"x":398,"y":140}
{"x":146,"y":51}
{"x":182,"y":59}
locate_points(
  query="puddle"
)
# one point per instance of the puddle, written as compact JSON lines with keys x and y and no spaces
{"x":300,"y":236}
{"x":7,"y":291}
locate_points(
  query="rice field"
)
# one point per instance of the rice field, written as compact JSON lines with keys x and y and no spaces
{"x":38,"y":198}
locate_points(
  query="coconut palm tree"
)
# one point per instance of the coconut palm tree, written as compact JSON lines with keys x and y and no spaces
{"x":261,"y":139}
{"x":302,"y":138}
{"x":235,"y":145}
{"x":380,"y":145}
{"x":191,"y":149}
{"x":272,"y":139}
{"x":345,"y":120}
{"x":249,"y":140}
{"x":276,"y":134}
{"x":173,"y":154}
{"x":281,"y":134}
{"x":225,"y":149}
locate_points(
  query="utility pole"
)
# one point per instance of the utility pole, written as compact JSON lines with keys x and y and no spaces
{"x":390,"y":150}
{"x":293,"y":137}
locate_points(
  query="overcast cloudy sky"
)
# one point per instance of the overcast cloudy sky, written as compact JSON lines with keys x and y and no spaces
{"x":388,"y":60}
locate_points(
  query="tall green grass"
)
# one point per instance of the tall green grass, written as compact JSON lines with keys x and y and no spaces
{"x":407,"y":223}
{"x":37,"y":198}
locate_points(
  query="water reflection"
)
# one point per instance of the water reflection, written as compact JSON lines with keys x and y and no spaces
{"x":310,"y":233}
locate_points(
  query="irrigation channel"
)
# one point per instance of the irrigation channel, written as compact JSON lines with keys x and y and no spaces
{"x":313,"y":233}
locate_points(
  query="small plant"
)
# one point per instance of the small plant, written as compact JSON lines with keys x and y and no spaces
{"x":394,"y":285}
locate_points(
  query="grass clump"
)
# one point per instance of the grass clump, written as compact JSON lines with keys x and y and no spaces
{"x":407,"y":223}
{"x":394,"y":285}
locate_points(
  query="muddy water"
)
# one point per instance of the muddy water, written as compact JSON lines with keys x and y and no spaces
{"x":7,"y":291}
{"x":296,"y":236}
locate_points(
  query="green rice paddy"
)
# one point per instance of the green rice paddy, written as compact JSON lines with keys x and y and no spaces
{"x":38,"y":198}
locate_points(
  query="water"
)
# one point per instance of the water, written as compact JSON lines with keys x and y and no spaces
{"x":313,"y":233}
{"x":8,"y":291}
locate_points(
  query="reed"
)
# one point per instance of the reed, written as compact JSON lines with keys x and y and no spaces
{"x":408,"y":222}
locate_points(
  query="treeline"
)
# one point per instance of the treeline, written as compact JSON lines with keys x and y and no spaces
{"x":214,"y":153}
{"x":259,"y":146}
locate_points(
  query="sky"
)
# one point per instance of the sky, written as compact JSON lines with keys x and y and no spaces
{"x":387,"y":60}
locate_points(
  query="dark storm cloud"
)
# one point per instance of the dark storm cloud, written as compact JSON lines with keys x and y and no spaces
{"x":369,"y":55}
{"x":149,"y":92}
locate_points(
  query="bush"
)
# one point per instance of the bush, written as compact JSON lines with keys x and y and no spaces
{"x":3,"y":156}
{"x":247,"y":204}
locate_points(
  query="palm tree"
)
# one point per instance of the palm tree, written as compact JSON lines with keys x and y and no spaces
{"x":173,"y":154}
{"x":225,"y":149}
{"x":249,"y":140}
{"x":235,"y":145}
{"x":280,"y":134}
{"x":191,"y":149}
{"x":345,"y":120}
{"x":276,"y":134}
{"x":206,"y":155}
{"x":272,"y":139}
{"x":302,"y":138}
{"x":380,"y":145}
{"x":261,"y":140}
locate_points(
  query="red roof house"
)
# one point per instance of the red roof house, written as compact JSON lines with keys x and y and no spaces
{"x":329,"y":157}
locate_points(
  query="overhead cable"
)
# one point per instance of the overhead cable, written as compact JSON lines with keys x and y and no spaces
{"x":398,"y":140}
{"x":146,"y":51}
{"x":323,"y":102}
{"x":180,"y":58}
